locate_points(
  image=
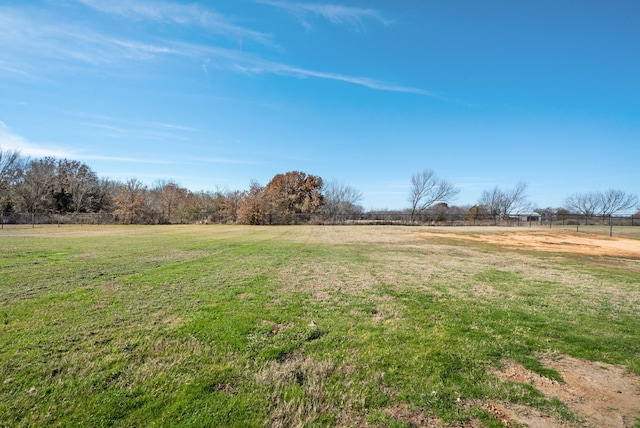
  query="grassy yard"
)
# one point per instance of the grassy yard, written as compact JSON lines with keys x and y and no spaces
{"x":293,"y":326}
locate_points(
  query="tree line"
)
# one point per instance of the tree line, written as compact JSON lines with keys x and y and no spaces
{"x":63,"y":186}
{"x":68,"y":187}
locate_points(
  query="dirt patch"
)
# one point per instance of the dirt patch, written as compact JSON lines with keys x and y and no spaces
{"x":553,"y":241}
{"x":516,"y":415}
{"x":279,"y":328}
{"x":402,"y":412}
{"x":602,"y":394}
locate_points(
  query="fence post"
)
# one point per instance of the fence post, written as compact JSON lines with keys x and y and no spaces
{"x":610,"y":226}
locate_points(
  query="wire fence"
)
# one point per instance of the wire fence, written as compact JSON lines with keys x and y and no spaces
{"x":519,"y":220}
{"x":365,"y":218}
{"x":106,"y":218}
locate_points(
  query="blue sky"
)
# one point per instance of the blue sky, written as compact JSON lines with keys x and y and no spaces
{"x":215,"y":94}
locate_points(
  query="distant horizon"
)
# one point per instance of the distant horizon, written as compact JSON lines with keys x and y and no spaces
{"x":366,"y":93}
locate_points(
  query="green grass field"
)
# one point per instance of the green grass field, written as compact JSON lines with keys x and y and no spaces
{"x":292,"y":326}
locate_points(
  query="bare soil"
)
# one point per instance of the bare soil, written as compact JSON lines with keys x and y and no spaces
{"x":603,"y":395}
{"x":553,"y":241}
{"x":414,"y":418}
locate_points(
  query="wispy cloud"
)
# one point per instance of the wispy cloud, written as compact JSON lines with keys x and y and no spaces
{"x":234,"y":61}
{"x":107,"y":127}
{"x":179,"y":14}
{"x":123,"y":159}
{"x":260,"y":67}
{"x":66,"y":45}
{"x":12,"y":141}
{"x":335,"y":14}
{"x":241,"y":62}
{"x":168,"y":126}
{"x":134,"y":129}
{"x":228,"y":161}
{"x":62,"y":42}
{"x":9,"y":140}
{"x":14,"y":70}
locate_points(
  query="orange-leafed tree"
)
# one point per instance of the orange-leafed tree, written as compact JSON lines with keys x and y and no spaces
{"x":252,"y":208}
{"x":295,"y":192}
{"x":132,"y":203}
{"x":282,"y":199}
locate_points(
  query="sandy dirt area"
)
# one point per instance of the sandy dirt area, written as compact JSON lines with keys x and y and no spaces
{"x":551,"y":241}
{"x":602,"y":394}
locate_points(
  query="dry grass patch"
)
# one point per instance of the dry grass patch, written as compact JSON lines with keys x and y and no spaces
{"x":323,"y":278}
{"x":351,"y":234}
{"x":298,"y":385}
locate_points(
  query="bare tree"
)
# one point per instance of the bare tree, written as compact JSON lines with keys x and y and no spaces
{"x":501,"y":203}
{"x":103,"y":200}
{"x":11,"y":167}
{"x":76,"y":184}
{"x":490,"y":202}
{"x":36,"y":189}
{"x":169,"y":198}
{"x":614,"y":201}
{"x":515,"y":200}
{"x":546,"y":213}
{"x":427,"y":189}
{"x":11,"y":170}
{"x":341,"y":199}
{"x":586,"y":204}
